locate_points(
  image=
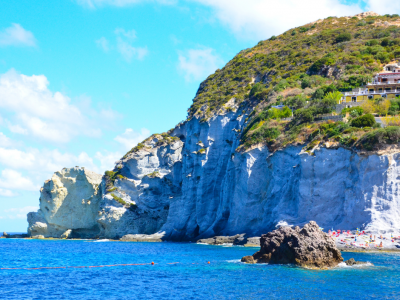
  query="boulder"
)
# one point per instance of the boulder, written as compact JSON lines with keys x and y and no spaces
{"x":247,"y":242}
{"x":306,"y":247}
{"x":141,"y":238}
{"x":66,"y":234}
{"x":38,"y":237}
{"x":352,"y":262}
{"x":219,"y":240}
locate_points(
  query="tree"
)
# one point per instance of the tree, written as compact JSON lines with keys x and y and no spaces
{"x":367,"y":120}
{"x":368,"y":106}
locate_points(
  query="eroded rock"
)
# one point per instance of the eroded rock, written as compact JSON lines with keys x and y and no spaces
{"x":69,"y":201}
{"x":352,"y":262}
{"x":141,"y":238}
{"x":220,"y":240}
{"x":306,"y":247}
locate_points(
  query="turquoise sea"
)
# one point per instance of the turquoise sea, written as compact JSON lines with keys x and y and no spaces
{"x":180,"y":271}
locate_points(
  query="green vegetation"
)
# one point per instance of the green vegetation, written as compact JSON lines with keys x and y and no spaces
{"x":118,"y":199}
{"x":163,"y":140}
{"x":344,"y":53}
{"x":372,"y":140}
{"x":154,"y":174}
{"x":202,"y":151}
{"x":353,"y":111}
{"x":367,"y":120}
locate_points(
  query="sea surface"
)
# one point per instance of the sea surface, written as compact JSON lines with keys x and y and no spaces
{"x":180,"y":271}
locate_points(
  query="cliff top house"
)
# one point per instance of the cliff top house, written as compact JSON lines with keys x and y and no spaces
{"x":385,"y":84}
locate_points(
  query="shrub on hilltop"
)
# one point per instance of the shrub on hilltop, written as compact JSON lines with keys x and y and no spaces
{"x":367,"y":120}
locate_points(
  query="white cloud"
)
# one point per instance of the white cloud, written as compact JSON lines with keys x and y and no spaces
{"x":16,"y":35}
{"x":383,"y":6}
{"x":130,"y":138}
{"x":125,"y":47}
{"x":197,"y":64}
{"x":120,"y":3}
{"x":7,"y":193}
{"x":13,"y":180}
{"x":30,"y":108}
{"x":259,"y":19}
{"x":44,"y":161}
{"x":21,"y":212}
{"x":7,"y":142}
{"x":103,"y":44}
{"x":107,"y":160}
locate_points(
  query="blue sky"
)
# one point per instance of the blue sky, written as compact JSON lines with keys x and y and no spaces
{"x":83,"y":81}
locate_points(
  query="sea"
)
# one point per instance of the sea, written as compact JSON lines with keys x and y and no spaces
{"x":103,"y":269}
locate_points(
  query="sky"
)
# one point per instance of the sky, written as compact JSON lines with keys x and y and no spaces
{"x":83,"y":81}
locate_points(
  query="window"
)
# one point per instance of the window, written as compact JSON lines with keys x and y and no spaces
{"x":370,"y":97}
{"x":388,"y":89}
{"x":371,"y":90}
{"x":384,"y":96}
{"x":354,"y":99}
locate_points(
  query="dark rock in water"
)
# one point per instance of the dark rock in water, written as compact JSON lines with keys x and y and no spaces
{"x":247,"y":242}
{"x":306,"y":247}
{"x":238,"y":240}
{"x":141,"y":238}
{"x":219,"y":240}
{"x":352,"y":262}
{"x":15,"y":236}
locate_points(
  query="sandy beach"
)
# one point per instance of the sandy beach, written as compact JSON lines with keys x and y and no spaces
{"x":366,"y":241}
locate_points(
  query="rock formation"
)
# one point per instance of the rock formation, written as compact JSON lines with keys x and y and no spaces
{"x":238,"y":240}
{"x":306,"y":247}
{"x":352,"y":262}
{"x":69,"y":205}
{"x":195,"y":183}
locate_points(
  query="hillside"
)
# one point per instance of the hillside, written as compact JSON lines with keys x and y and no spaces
{"x":237,"y":165}
{"x":304,"y":68}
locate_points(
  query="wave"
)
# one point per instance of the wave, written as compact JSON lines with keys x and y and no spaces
{"x":343,"y":265}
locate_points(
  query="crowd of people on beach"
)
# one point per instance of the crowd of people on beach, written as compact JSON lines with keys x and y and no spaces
{"x":361,"y":239}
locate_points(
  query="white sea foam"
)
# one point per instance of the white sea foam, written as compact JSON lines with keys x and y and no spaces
{"x":343,"y":265}
{"x":235,"y":261}
{"x":100,"y":241}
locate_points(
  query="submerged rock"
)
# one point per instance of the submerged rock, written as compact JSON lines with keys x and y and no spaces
{"x":306,"y":247}
{"x":141,"y":238}
{"x":352,"y":262}
{"x":220,"y":240}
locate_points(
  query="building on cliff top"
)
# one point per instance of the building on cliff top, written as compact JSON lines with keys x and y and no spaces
{"x":385,"y":84}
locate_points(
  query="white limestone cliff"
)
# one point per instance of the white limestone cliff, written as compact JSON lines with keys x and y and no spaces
{"x":221,"y":192}
{"x":197,"y":186}
{"x":69,"y":205}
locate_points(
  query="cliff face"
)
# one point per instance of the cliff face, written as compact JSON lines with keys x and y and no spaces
{"x":214,"y":175}
{"x":69,"y":205}
{"x":222,"y":192}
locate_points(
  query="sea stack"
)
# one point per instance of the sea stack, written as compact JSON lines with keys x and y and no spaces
{"x":306,"y":247}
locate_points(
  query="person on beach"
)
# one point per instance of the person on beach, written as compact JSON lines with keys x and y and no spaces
{"x":381,"y":245}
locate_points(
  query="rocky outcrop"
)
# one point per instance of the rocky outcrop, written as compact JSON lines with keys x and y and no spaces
{"x":148,"y":180}
{"x":197,"y":186}
{"x":69,"y":205}
{"x":220,"y":240}
{"x":237,"y":240}
{"x":141,"y":238}
{"x":352,"y":262}
{"x":306,"y":247}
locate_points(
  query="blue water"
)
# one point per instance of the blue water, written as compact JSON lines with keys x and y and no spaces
{"x":192,"y":278}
